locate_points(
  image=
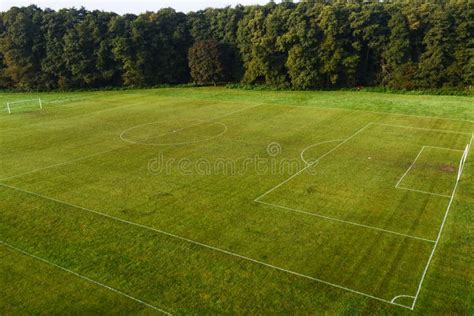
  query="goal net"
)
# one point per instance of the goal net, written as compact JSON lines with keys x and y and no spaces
{"x":24,"y":105}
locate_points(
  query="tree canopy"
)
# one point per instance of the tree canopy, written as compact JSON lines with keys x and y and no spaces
{"x":311,"y":44}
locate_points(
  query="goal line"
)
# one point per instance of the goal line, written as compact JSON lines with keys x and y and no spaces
{"x":458,"y":178}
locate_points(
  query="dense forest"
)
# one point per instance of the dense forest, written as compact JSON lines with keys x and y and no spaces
{"x":305,"y":45}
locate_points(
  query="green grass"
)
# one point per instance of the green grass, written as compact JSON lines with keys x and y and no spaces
{"x":197,"y":201}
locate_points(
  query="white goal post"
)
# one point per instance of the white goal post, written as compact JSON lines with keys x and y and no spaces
{"x":12,"y":104}
{"x":463,"y":160}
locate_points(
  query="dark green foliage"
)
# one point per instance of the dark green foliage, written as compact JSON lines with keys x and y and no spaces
{"x":22,"y":47}
{"x":151,"y":48}
{"x":461,"y":71}
{"x":205,"y":62}
{"x":438,"y":54}
{"x":305,"y":45}
{"x":211,"y":62}
{"x":397,"y":68}
{"x":368,"y":22}
{"x":55,"y":26}
{"x":3,"y":80}
{"x":87,"y":51}
{"x":338,"y":53}
{"x":305,"y":36}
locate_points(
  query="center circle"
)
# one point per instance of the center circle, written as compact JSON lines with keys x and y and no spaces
{"x":173,"y":132}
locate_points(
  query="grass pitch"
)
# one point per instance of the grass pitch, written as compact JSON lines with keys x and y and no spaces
{"x":205,"y":201}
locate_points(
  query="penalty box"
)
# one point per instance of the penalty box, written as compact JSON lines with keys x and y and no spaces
{"x":397,"y":181}
{"x":432,"y":172}
{"x":381,"y":179}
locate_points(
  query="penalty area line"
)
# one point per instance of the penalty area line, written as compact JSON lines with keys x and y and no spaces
{"x":205,"y":246}
{"x":444,"y":148}
{"x":315,"y":145}
{"x":409,"y":168}
{"x":346,"y":222}
{"x":398,"y":186}
{"x":424,"y":129}
{"x":7,"y":245}
{"x":424,"y":192}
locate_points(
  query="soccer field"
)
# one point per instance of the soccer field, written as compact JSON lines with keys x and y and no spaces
{"x":211,"y":200}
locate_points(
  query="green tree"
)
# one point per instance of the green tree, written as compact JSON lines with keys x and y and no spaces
{"x":87,"y":51}
{"x":4,"y":81}
{"x":304,"y":37}
{"x":251,"y":30}
{"x":460,"y":73}
{"x":339,"y":59}
{"x":438,"y":54}
{"x":170,"y":43}
{"x":124,"y":43}
{"x":398,"y":68}
{"x":205,"y":62}
{"x":272,"y":49}
{"x":55,"y":26}
{"x":22,"y":47}
{"x":311,"y":44}
{"x":370,"y":32}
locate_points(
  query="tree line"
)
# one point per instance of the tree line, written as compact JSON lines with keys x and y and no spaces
{"x":305,"y":45}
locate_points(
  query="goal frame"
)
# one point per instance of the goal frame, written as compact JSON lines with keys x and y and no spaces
{"x":9,"y":104}
{"x":463,"y":161}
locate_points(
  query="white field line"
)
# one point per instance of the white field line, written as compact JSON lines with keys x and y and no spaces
{"x":313,"y":163}
{"x":346,"y":222}
{"x":397,"y":186}
{"x":115,"y":108}
{"x":363,"y":111}
{"x":400,"y":296}
{"x":314,"y":145}
{"x":375,"y":112}
{"x":94,"y":112}
{"x":84,"y":277}
{"x":204,"y":245}
{"x":119,"y":147}
{"x":409,"y":168}
{"x":214,"y":119}
{"x":60,"y":164}
{"x":83,"y":114}
{"x":424,"y":129}
{"x":94,"y":98}
{"x":141,"y":140}
{"x":424,"y":192}
{"x":71,"y":100}
{"x":444,"y":148}
{"x":437,"y":239}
